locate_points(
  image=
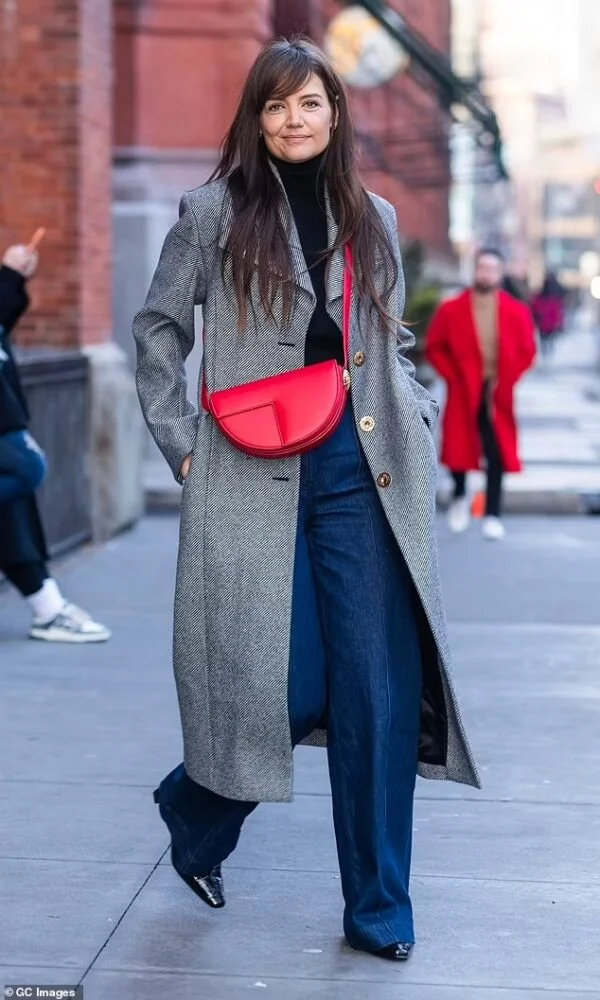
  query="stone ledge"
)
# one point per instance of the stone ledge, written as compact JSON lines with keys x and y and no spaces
{"x":162,"y":494}
{"x":541,"y":502}
{"x":116,"y":443}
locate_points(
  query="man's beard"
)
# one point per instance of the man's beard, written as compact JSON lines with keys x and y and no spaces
{"x":483,"y":288}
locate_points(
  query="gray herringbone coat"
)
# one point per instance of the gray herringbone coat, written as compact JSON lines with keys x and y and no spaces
{"x":238,"y":524}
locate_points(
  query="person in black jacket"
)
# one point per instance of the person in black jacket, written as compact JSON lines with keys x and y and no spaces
{"x":23,"y":553}
{"x":22,"y":463}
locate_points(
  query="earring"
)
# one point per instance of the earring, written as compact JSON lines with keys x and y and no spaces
{"x":260,"y":133}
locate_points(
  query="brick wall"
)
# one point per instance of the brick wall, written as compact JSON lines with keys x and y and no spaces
{"x":55,"y":66}
{"x":180,"y":69}
{"x":179,"y":72}
{"x":95,"y":170}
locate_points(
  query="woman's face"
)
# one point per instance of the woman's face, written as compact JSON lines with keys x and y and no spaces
{"x":298,"y":127}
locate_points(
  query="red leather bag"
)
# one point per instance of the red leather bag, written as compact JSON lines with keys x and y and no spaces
{"x":291,"y":413}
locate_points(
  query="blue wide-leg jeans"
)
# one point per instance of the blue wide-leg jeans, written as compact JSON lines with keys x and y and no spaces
{"x":355,"y":656}
{"x":22,"y":466}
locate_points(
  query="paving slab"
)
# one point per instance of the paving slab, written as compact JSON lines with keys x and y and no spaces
{"x":545,"y":572}
{"x":505,"y":880}
{"x":58,"y":915}
{"x":479,"y":840}
{"x":153,"y":986}
{"x":36,"y":975}
{"x":56,"y":821}
{"x":94,"y":713}
{"x":528,"y":692}
{"x":288,"y":924}
{"x":63,"y":720}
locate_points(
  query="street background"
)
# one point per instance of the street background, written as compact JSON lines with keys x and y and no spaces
{"x":478,"y":120}
{"x":558,"y":406}
{"x":506,"y":880}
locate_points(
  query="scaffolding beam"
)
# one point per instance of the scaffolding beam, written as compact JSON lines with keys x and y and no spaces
{"x":451,"y":88}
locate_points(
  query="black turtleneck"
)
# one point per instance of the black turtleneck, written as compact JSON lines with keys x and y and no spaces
{"x":305,"y":187}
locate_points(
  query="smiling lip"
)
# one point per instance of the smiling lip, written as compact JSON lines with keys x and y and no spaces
{"x":296,"y":138}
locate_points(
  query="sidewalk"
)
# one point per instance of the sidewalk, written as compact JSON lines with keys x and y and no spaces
{"x":559,"y":419}
{"x":506,"y":881}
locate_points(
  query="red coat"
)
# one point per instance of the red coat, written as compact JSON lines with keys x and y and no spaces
{"x":453,"y":350}
{"x":549,"y":313}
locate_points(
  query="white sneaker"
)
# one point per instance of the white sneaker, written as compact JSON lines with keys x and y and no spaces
{"x":459,"y":515}
{"x":71,"y":624}
{"x":492,"y":529}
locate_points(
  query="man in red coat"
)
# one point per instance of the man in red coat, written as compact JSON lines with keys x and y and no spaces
{"x":481,"y":343}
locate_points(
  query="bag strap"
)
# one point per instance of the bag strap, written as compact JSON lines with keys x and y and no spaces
{"x":347,"y":301}
{"x":346,"y":314}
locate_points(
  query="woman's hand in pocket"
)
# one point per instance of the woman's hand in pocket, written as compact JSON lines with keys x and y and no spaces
{"x":185,"y":467}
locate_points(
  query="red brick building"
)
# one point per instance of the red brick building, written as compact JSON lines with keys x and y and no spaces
{"x":155,"y":83}
{"x":109,"y":109}
{"x":56,"y":78}
{"x":178,"y":72}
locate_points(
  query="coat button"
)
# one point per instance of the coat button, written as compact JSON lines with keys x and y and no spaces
{"x":366,"y":423}
{"x":359,"y":358}
{"x":384,"y":480}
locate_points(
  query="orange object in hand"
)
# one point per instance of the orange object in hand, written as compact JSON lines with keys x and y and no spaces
{"x":478,"y":504}
{"x":36,"y":239}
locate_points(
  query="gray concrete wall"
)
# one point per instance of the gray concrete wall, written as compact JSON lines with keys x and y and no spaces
{"x":147,"y":187}
{"x":116,"y":443}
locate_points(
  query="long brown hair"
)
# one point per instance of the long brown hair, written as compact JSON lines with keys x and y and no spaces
{"x":256,"y":233}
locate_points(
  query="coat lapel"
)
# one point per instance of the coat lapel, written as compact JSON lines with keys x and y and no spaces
{"x":503,"y":324}
{"x":334,"y":285}
{"x":335,"y":275}
{"x":300,"y":274}
{"x":470,"y":328}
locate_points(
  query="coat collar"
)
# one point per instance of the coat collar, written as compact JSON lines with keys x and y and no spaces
{"x":335,"y":274}
{"x":300,"y":273}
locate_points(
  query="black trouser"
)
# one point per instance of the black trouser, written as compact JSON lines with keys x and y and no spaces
{"x":493,"y":458}
{"x":27,"y":577}
{"x":23,"y":550}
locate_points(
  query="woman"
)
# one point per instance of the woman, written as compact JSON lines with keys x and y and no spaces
{"x":23,"y":555}
{"x":307,"y":586}
{"x":548,"y":308}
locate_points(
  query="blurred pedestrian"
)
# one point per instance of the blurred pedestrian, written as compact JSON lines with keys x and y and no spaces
{"x":23,"y":553}
{"x":481,"y":343}
{"x":548,"y":307}
{"x":304,"y":526}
